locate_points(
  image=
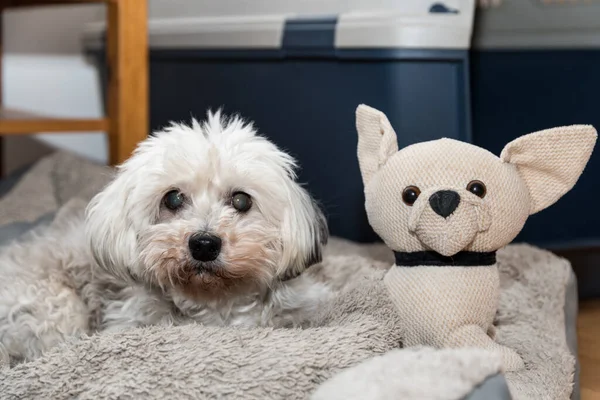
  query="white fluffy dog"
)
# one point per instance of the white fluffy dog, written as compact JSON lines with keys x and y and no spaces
{"x":203,"y":223}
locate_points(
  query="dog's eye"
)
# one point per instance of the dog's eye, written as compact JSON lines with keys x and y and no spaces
{"x":410,"y":194}
{"x":477,"y":188}
{"x":174,"y":200}
{"x":241,"y":201}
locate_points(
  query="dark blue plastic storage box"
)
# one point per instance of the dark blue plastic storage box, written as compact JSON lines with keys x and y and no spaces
{"x":300,"y":82}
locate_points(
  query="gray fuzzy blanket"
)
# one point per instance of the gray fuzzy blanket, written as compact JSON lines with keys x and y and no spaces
{"x":350,"y":351}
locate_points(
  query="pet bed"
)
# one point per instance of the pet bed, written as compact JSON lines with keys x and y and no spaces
{"x":351,"y":351}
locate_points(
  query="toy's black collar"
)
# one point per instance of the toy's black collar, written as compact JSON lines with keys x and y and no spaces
{"x":434,"y":259}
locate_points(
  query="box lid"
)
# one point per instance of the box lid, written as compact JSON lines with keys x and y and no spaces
{"x":538,"y":24}
{"x":409,"y":25}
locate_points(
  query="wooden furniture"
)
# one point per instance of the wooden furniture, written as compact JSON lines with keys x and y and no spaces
{"x":127,"y":120}
{"x":588,"y":337}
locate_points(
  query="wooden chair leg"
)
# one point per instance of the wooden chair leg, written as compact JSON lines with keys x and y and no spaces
{"x":128,"y":94}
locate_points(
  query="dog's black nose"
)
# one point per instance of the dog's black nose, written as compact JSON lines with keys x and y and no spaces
{"x":204,"y":247}
{"x":444,"y":202}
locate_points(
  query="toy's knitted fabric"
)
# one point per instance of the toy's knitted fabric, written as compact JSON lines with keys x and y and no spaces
{"x":449,"y":307}
{"x":549,"y":173}
{"x":461,"y":198}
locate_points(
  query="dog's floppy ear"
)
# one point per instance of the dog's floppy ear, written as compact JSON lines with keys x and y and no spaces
{"x":304,"y":234}
{"x":109,"y":230}
{"x":551,"y":161}
{"x":376,"y":140}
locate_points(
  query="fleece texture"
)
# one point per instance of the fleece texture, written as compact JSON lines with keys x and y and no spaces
{"x":49,"y":184}
{"x":199,"y":362}
{"x":202,"y":362}
{"x":403,"y":374}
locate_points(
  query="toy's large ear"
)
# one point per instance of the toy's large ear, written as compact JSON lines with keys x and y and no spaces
{"x":551,"y":161}
{"x":376,"y":140}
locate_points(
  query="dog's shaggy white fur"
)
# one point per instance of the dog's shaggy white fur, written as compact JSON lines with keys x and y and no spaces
{"x":202,"y":224}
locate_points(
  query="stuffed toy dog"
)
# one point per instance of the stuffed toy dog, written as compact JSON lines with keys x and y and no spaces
{"x":444,"y":207}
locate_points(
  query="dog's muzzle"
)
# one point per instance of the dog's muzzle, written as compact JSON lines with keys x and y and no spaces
{"x":446,"y":220}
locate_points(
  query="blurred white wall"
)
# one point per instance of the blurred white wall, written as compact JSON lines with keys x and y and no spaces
{"x":45,"y":71}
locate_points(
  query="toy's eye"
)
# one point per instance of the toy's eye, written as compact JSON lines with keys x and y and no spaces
{"x":477,"y":188}
{"x":173,"y":200}
{"x":410,"y":194}
{"x":241,"y":201}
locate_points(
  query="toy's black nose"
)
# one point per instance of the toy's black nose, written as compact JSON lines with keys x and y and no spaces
{"x":204,"y":247}
{"x":444,"y":202}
